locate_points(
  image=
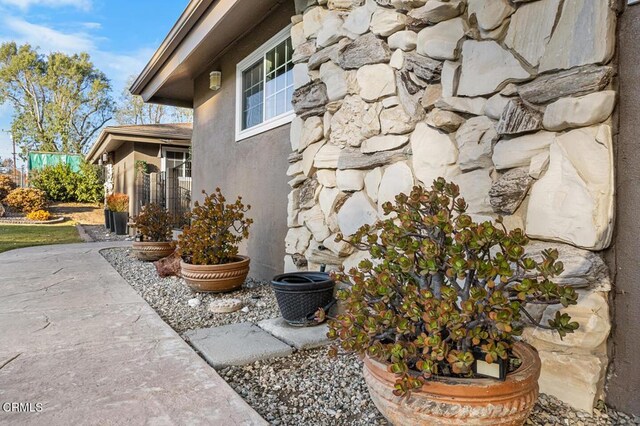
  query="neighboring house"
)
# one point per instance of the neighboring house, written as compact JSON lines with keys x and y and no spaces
{"x":511,"y":100}
{"x":142,"y":160}
{"x":241,"y":132}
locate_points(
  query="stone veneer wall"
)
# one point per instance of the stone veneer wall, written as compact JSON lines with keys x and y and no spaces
{"x":511,"y":99}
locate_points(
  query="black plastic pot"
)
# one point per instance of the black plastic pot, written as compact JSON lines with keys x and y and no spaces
{"x":107,"y":219}
{"x":121,"y":219}
{"x":112,"y":221}
{"x":301,"y":294}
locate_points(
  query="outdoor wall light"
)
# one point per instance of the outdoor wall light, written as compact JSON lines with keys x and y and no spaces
{"x":105,"y":157}
{"x":215,"y":80}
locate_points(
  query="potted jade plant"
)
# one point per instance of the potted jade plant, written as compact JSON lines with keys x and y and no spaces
{"x":208,"y":246}
{"x":437,"y":310}
{"x":153,"y":240}
{"x":118,"y":204}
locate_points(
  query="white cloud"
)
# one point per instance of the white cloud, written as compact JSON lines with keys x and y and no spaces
{"x":46,"y":38}
{"x":26,"y":4}
{"x":92,"y":25}
{"x":117,"y":66}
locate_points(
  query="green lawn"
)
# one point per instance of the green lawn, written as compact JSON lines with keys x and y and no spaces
{"x":18,"y":236}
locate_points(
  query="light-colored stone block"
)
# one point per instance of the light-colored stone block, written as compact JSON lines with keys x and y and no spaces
{"x":572,"y":44}
{"x":434,"y":154}
{"x":573,"y":202}
{"x":350,"y":180}
{"x":358,"y":210}
{"x":530,"y":29}
{"x":582,"y":111}
{"x":301,"y":338}
{"x":517,"y":152}
{"x":487,"y":68}
{"x":397,"y":178}
{"x":236,"y":344}
{"x":442,"y":40}
{"x":376,"y":81}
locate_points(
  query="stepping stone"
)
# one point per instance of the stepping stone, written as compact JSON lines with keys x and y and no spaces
{"x":298,"y":337}
{"x":236,"y":344}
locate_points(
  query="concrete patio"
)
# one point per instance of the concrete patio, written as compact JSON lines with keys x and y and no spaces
{"x":77,"y":339}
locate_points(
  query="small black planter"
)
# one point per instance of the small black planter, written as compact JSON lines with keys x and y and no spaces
{"x":301,"y":294}
{"x":121,"y":219}
{"x":112,"y":221}
{"x":107,"y":219}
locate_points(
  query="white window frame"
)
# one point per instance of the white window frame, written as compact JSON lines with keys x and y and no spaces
{"x":242,"y":66}
{"x":163,"y":158}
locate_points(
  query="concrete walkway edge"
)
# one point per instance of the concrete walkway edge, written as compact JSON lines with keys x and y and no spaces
{"x":80,"y":343}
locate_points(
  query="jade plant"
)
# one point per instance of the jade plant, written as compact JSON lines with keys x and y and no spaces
{"x":216,"y":228}
{"x":439,"y":287}
{"x":154,"y":223}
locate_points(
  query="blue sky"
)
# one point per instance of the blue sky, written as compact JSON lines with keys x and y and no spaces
{"x":120,"y":35}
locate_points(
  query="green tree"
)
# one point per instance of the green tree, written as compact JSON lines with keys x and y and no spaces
{"x":133,"y":110}
{"x":60,"y":101}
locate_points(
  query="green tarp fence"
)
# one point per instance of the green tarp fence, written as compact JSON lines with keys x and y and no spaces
{"x":40,"y":160}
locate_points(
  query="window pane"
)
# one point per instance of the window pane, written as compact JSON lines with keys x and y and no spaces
{"x":279,"y":82}
{"x":281,"y":103}
{"x":268,"y":86}
{"x":270,"y":58}
{"x":281,"y":54}
{"x":253,"y":94}
{"x":270,"y":106}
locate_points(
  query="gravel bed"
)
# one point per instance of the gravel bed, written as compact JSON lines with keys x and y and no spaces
{"x":307,"y":387}
{"x":312,"y":389}
{"x":99,"y":233}
{"x":170,"y":296}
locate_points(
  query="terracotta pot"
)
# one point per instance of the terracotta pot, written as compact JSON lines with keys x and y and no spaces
{"x":216,"y":278}
{"x":150,"y":251}
{"x":451,"y":401}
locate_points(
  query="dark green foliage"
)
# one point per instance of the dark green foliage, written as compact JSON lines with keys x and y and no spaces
{"x":216,"y":230}
{"x":61,"y":183}
{"x":90,"y":187}
{"x":438,"y":285}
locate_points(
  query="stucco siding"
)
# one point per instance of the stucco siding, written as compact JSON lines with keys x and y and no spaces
{"x":624,"y":380}
{"x":254,"y":168}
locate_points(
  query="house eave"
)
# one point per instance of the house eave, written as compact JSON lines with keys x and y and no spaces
{"x":111,"y":138}
{"x":203,"y":32}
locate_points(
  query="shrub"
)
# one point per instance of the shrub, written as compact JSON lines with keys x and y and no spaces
{"x":439,"y":287}
{"x":39,"y":215}
{"x":27,"y":200}
{"x":118,"y":202}
{"x":90,"y":186}
{"x":6,"y":186}
{"x":216,"y":230}
{"x":61,"y":183}
{"x":154,"y":223}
